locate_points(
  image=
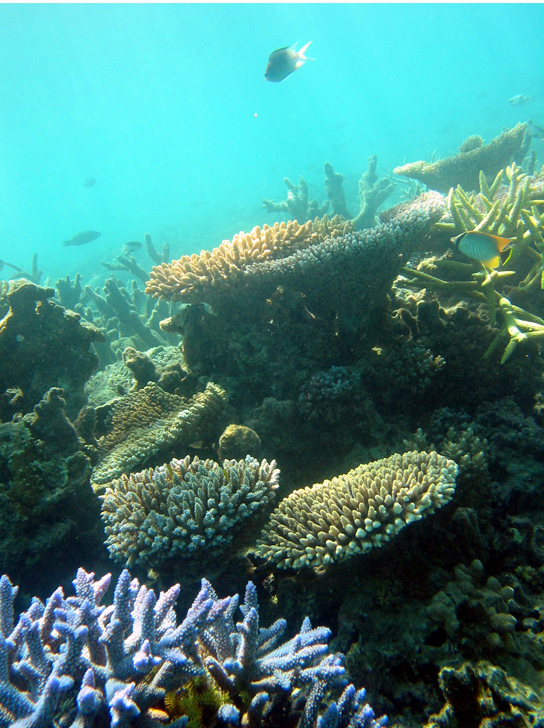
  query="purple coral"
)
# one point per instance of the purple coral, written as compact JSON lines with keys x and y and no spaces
{"x":114,"y":664}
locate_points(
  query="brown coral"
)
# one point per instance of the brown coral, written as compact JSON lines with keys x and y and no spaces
{"x":150,"y":421}
{"x":189,"y":277}
{"x":358,"y":511}
{"x":464,"y":168}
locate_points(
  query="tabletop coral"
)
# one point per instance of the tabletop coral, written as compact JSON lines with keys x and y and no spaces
{"x":192,"y":276}
{"x":358,"y":511}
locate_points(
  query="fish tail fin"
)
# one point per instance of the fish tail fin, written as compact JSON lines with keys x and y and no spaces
{"x":65,"y":242}
{"x":302,"y":51}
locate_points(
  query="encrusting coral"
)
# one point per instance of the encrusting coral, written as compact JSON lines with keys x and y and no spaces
{"x":191,"y":512}
{"x":42,"y":345}
{"x":149,"y":423}
{"x":464,"y":168}
{"x":76,"y":663}
{"x":356,"y":512}
{"x":46,"y":503}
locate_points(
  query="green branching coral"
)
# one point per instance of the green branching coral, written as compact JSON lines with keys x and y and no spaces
{"x":510,"y":211}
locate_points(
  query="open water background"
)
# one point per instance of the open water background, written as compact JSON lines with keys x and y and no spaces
{"x":166,"y":107}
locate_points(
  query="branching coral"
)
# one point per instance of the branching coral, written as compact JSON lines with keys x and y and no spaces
{"x":188,"y":511}
{"x":76,"y":663}
{"x":464,"y":168}
{"x":507,"y":211}
{"x":149,"y":422}
{"x":297,"y":204}
{"x":192,"y":277}
{"x":356,"y":512}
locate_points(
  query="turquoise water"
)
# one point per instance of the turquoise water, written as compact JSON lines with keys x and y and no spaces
{"x":166,"y":107}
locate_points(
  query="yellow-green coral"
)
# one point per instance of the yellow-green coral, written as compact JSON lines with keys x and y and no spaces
{"x":510,"y":210}
{"x":356,"y":512}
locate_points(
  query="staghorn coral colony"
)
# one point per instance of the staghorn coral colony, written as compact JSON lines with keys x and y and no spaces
{"x":340,"y":417}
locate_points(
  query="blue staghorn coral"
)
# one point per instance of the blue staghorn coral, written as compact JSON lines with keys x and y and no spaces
{"x":75,"y":663}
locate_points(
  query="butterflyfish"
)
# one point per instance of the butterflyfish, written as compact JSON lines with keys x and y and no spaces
{"x":482,"y":246}
{"x":284,"y":61}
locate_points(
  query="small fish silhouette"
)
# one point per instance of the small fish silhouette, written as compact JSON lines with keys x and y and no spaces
{"x":535,"y":131}
{"x":482,"y":246}
{"x":89,"y":182}
{"x":131,"y":247}
{"x":519,"y":100}
{"x":284,"y":61}
{"x":82,"y":238}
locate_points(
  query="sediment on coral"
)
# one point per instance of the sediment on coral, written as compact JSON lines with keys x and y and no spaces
{"x":358,"y":511}
{"x":148,"y":424}
{"x":464,"y":168}
{"x":74,"y":662}
{"x":189,"y":514}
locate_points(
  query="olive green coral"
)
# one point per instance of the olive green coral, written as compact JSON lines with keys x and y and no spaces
{"x":358,"y":511}
{"x":150,"y":421}
{"x":189,"y":510}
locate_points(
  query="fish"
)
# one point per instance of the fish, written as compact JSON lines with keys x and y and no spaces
{"x":283,"y":61}
{"x":519,"y":100}
{"x":132,"y":247}
{"x":82,"y":238}
{"x":535,"y":131}
{"x":89,"y":182}
{"x":482,"y":246}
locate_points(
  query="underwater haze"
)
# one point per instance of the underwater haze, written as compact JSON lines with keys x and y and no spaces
{"x":167,"y":109}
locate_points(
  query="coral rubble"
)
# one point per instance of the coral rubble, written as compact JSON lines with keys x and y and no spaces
{"x":356,"y":512}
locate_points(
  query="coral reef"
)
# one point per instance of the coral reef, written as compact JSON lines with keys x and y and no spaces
{"x":46,"y":502}
{"x":508,"y":212}
{"x":237,"y":441}
{"x":197,"y":277}
{"x":356,"y":512}
{"x":297,"y":204}
{"x":189,"y":514}
{"x":42,"y":346}
{"x":116,"y":379}
{"x":74,"y":662}
{"x":150,"y":424}
{"x":464,"y":168}
{"x":483,"y":695}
